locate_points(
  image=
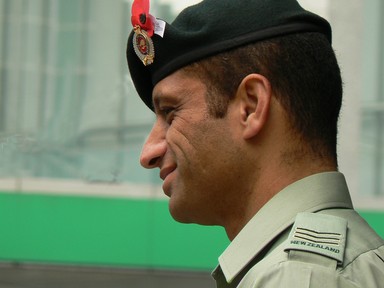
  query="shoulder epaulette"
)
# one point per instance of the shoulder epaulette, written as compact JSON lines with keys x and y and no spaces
{"x":320,"y":234}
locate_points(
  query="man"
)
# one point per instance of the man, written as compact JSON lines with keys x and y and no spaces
{"x":247,"y":97}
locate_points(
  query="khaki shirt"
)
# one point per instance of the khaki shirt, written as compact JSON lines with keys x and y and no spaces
{"x":329,"y":245}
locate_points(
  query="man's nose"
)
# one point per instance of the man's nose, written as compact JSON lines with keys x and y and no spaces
{"x":154,"y":148}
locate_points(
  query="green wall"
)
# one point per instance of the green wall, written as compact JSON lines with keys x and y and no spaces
{"x":103,"y":231}
{"x":109,"y":231}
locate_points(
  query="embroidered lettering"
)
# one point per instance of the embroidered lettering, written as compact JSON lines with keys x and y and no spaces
{"x":319,"y":246}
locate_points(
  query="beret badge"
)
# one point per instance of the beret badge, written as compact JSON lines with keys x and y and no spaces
{"x":143,"y":27}
{"x":143,"y":46}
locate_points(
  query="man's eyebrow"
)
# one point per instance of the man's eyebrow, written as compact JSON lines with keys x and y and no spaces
{"x":161,"y":97}
{"x":170,"y":97}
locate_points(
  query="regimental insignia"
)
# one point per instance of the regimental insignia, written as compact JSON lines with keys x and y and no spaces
{"x":143,"y":46}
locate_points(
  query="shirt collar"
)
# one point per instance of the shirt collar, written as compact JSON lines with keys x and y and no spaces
{"x":311,"y":194}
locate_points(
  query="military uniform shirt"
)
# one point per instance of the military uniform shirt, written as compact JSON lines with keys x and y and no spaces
{"x":307,"y":235}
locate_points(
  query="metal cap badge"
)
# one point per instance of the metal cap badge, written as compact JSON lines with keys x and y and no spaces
{"x":143,"y":25}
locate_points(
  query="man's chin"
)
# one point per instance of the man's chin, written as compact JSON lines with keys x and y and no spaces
{"x":181,"y":213}
{"x":188,"y":216}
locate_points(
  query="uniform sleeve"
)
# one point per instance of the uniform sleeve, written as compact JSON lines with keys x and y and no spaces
{"x":367,"y":269}
{"x":296,"y":274}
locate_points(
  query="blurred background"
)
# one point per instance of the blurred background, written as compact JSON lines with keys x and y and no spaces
{"x":76,"y":208}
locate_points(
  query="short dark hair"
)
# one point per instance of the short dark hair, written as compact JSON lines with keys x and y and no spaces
{"x":304,"y":75}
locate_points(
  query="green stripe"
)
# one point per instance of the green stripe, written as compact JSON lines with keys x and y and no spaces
{"x":110,"y":231}
{"x":103,"y":231}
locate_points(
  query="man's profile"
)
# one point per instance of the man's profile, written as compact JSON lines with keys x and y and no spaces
{"x":247,"y":97}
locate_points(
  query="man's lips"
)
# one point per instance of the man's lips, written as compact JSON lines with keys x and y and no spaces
{"x":164,"y":172}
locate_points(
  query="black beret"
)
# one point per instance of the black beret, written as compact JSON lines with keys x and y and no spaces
{"x":214,"y":26}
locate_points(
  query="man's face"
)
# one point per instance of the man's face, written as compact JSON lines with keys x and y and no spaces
{"x":196,"y":153}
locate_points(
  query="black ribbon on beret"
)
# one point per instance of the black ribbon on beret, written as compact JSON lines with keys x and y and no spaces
{"x":214,"y":26}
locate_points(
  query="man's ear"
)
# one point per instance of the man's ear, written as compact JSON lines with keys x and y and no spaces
{"x":255,"y":97}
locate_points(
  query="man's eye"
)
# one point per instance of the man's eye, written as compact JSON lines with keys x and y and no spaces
{"x":168,"y":114}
